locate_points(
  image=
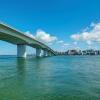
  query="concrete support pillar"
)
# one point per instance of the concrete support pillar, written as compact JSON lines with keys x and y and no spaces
{"x":45,"y":53}
{"x":49,"y":53}
{"x":38,"y":52}
{"x":21,"y":51}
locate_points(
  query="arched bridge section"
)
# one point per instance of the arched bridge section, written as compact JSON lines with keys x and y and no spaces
{"x":20,"y":39}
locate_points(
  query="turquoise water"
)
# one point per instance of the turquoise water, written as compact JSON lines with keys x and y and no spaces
{"x":50,"y":78}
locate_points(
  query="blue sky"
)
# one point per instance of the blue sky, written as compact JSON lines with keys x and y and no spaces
{"x":58,"y":18}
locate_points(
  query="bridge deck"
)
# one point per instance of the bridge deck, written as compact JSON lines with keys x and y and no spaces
{"x":14,"y":36}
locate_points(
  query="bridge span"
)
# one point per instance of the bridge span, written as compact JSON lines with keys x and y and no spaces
{"x":18,"y":38}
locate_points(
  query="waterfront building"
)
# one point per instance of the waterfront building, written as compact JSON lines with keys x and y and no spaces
{"x":72,"y":52}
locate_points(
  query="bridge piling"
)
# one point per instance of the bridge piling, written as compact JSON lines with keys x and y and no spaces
{"x":38,"y":52}
{"x":21,"y":51}
{"x":45,"y":53}
{"x":49,"y":53}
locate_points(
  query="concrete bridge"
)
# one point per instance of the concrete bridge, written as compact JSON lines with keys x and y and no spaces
{"x":18,"y":38}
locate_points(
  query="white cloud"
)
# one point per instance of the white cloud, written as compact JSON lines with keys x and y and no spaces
{"x":76,"y":36}
{"x":66,"y":44}
{"x":44,"y":37}
{"x":92,"y":35}
{"x":50,"y":44}
{"x":59,"y":42}
{"x":86,"y":29}
{"x":75,"y":43}
{"x":29,"y":34}
{"x":89,"y":42}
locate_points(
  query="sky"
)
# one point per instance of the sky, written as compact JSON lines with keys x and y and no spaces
{"x":61,"y":24}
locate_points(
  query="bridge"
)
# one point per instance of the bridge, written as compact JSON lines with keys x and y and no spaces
{"x":20,"y":39}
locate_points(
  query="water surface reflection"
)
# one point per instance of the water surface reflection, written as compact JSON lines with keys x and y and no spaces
{"x":50,"y":78}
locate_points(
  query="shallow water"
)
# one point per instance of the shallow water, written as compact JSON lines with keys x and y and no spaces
{"x":50,"y":78}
